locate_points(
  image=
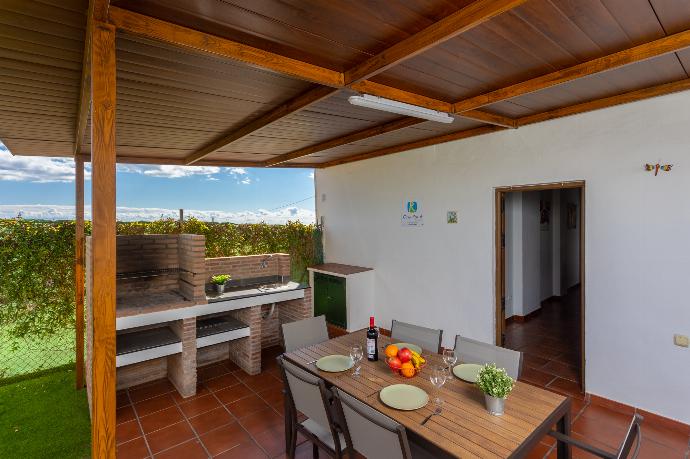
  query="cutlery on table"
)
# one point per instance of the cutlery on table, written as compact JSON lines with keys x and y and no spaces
{"x":436,"y":411}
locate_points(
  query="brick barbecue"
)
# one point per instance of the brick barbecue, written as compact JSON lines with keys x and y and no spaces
{"x":162,"y":291}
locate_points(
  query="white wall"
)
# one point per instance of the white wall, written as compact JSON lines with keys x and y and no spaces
{"x":637,"y":249}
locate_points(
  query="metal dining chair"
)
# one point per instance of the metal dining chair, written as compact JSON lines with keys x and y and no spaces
{"x":303,"y":333}
{"x":427,"y":338}
{"x":307,"y":394}
{"x":471,"y":351}
{"x":373,"y":434}
{"x":633,"y":436}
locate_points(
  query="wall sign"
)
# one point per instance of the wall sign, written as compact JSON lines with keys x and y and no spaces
{"x":412,"y":214}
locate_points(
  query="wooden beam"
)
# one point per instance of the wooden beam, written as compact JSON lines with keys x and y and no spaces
{"x":206,"y":162}
{"x":99,"y":9}
{"x":395,"y":125}
{"x":416,"y":144}
{"x":461,"y":21}
{"x":79,"y":272}
{"x":103,"y":384}
{"x":303,"y":100}
{"x":632,"y":96}
{"x":628,"y":56}
{"x":139,"y":24}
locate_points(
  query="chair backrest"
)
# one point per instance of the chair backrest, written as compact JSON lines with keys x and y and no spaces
{"x":634,"y":435}
{"x":426,"y":338}
{"x":303,"y":333}
{"x":472,"y":351}
{"x":306,"y":393}
{"x":369,"y":432}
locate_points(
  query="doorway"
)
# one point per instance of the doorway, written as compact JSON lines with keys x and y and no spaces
{"x":540,"y":281}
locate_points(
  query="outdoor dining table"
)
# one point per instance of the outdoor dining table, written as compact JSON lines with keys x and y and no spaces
{"x":464,"y":428}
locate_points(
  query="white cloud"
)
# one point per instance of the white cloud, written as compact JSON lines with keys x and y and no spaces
{"x":311,"y":175}
{"x":167,"y":171}
{"x":36,"y":168}
{"x":49,"y":212}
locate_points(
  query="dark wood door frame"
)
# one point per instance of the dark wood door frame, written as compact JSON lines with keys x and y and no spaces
{"x":500,"y":193}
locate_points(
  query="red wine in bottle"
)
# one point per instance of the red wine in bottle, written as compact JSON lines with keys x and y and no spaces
{"x":372,"y":341}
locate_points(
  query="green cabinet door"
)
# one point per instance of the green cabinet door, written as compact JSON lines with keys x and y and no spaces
{"x":329,"y":298}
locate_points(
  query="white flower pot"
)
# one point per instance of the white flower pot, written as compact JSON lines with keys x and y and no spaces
{"x":494,"y":405}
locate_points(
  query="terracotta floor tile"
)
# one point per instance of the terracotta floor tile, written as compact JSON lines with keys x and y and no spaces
{"x":566,"y":387}
{"x":212,"y":371}
{"x":596,"y":429}
{"x":189,"y":450}
{"x":246,"y":450}
{"x":201,"y":390}
{"x":260,"y":382}
{"x":562,"y":370}
{"x":272,"y":441}
{"x":279,"y":408}
{"x":224,"y":438}
{"x":667,"y":437}
{"x":151,"y":390}
{"x":234,"y":393}
{"x":124,"y":414}
{"x":122,"y":399}
{"x":170,"y":436}
{"x":536,"y":377}
{"x":581,"y":454}
{"x":154,"y":404}
{"x":199,"y":405}
{"x":576,"y":407}
{"x":271,"y":396}
{"x":221,"y":382}
{"x":160,"y":419}
{"x":134,"y":449}
{"x":211,"y":420}
{"x":652,"y":450}
{"x":261,"y":421}
{"x":127,"y":431}
{"x":539,"y":452}
{"x":246,"y":406}
{"x":533,"y":361}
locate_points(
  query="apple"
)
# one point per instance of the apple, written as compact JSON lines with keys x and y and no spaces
{"x":405,"y":355}
{"x":394,"y":363}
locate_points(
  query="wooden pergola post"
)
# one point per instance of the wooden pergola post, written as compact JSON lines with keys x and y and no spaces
{"x":103,"y":240}
{"x":79,"y":271}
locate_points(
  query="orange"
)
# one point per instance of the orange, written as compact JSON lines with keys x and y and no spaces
{"x":407,"y":370}
{"x":391,"y":350}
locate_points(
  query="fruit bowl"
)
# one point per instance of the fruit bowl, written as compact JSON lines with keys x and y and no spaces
{"x":404,"y":362}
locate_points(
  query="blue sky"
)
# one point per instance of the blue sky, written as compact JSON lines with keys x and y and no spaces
{"x":44,"y":188}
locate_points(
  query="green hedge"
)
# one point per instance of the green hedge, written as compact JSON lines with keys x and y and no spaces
{"x":37,"y":259}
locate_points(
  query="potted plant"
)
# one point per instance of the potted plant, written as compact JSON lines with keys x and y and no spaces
{"x":496,"y":385}
{"x":219,"y":281}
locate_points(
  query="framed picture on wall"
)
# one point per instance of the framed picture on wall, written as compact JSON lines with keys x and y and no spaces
{"x":544,"y":214}
{"x":572,"y":215}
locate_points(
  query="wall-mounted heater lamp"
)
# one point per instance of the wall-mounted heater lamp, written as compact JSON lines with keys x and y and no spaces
{"x":401,"y":108}
{"x":658,"y":167}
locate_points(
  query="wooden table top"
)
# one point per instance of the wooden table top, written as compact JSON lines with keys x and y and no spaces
{"x":464,"y":428}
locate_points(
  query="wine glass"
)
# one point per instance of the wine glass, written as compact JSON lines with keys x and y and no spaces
{"x":356,"y":354}
{"x":438,"y":378}
{"x":450,"y":358}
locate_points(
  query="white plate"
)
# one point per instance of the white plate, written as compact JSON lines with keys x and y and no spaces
{"x":467,"y":371}
{"x":404,"y":397}
{"x":334,"y":363}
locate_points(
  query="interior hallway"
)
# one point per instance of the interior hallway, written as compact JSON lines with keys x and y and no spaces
{"x":550,"y":343}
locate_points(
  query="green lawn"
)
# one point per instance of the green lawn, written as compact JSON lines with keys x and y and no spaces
{"x":35,"y":354}
{"x":44,"y":417}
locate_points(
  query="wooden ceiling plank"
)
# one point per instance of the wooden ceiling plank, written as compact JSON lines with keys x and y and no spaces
{"x":416,"y":144}
{"x":98,"y":10}
{"x":628,"y":56}
{"x":461,"y":21}
{"x":624,"y":98}
{"x":307,"y":98}
{"x":139,"y":24}
{"x":395,"y":125}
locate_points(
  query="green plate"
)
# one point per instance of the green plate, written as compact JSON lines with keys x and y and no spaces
{"x":334,"y":363}
{"x":404,"y":397}
{"x":467,"y":371}
{"x":410,"y":346}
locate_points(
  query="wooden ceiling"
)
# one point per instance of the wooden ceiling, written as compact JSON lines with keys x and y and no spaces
{"x":241,"y":82}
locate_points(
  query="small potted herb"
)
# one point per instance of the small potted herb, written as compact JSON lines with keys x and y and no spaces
{"x":496,"y":385}
{"x":219,"y":281}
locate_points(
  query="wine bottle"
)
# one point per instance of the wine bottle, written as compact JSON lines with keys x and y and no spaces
{"x":372,"y":341}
